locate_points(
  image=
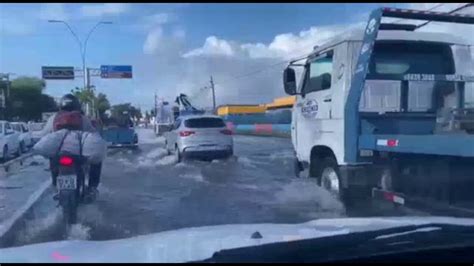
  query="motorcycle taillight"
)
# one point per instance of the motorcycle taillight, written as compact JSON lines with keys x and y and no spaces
{"x":66,"y":161}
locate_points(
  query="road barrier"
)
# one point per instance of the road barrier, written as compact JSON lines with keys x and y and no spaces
{"x":276,"y":130}
{"x":10,"y":226}
{"x":9,"y":165}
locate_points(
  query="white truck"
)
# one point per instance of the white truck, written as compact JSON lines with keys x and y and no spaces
{"x":164,"y":118}
{"x":388,"y":112}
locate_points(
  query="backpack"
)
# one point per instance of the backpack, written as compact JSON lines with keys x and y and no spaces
{"x":68,"y":120}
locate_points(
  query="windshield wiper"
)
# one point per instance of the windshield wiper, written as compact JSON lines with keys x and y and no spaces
{"x":357,"y":245}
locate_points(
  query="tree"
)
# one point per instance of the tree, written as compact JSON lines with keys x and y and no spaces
{"x":84,"y":96}
{"x":48,"y":103}
{"x":27,"y":100}
{"x":102,"y":105}
{"x":119,"y":109}
{"x":135,"y":113}
{"x":100,"y":102}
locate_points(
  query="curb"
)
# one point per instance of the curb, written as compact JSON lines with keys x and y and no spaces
{"x":20,"y":213}
{"x":4,"y":167}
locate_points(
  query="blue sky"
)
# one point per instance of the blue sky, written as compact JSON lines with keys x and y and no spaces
{"x":173,"y":47}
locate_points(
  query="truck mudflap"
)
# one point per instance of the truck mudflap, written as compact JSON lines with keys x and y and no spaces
{"x":422,"y":204}
{"x":389,"y":196}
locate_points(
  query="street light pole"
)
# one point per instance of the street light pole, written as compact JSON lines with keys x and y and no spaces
{"x":213,"y":96}
{"x":82,"y":50}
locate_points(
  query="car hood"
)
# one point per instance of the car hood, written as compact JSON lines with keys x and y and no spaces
{"x":192,"y":244}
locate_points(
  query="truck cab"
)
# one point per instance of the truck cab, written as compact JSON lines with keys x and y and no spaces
{"x":373,"y":98}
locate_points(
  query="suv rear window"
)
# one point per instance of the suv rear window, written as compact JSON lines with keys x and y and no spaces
{"x":205,"y":122}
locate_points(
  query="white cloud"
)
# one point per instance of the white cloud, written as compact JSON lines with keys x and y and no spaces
{"x":224,"y":60}
{"x":152,"y":40}
{"x":153,"y":24}
{"x":150,"y":22}
{"x":289,"y":45}
{"x":283,"y":46}
{"x":99,"y":10}
{"x":159,"y":18}
{"x":179,"y":33}
{"x":53,"y":11}
{"x":212,"y":46}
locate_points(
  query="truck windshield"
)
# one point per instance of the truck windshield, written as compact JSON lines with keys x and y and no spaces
{"x":207,"y":122}
{"x":411,"y":57}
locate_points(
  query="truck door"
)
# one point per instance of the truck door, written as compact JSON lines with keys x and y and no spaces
{"x":313,"y":107}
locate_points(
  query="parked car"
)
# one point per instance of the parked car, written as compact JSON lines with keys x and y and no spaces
{"x":26,"y":141}
{"x":199,"y":136}
{"x":35,"y":129}
{"x":9,"y":141}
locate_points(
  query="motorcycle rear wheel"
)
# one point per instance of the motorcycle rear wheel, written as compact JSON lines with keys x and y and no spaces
{"x":69,"y":202}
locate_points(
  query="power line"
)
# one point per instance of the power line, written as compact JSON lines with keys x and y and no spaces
{"x":450,"y":12}
{"x":429,"y":9}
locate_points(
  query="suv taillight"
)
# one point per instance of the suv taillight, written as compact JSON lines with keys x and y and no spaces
{"x":226,"y":132}
{"x":66,"y":161}
{"x":186,"y":133}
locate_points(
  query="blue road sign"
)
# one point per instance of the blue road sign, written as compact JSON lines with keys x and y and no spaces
{"x":116,"y":72}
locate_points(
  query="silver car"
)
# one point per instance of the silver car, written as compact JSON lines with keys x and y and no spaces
{"x":201,"y":137}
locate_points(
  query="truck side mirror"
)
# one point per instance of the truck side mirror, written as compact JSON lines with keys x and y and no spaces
{"x":326,"y":81}
{"x":289,"y":81}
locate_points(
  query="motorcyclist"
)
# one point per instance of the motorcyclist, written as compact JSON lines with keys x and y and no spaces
{"x":70,"y":103}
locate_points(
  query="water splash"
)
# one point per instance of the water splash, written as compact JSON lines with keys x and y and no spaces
{"x":79,"y":232}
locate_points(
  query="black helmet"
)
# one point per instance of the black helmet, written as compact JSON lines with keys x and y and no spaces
{"x":69,"y":103}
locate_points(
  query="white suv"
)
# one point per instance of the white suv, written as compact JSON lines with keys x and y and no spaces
{"x":200,"y":136}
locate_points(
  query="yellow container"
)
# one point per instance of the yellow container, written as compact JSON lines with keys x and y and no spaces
{"x":241,"y":109}
{"x":282,"y":102}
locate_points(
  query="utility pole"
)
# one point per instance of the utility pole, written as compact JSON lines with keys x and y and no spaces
{"x":213,"y":96}
{"x":87,"y":89}
{"x":5,"y":92}
{"x":156,"y":105}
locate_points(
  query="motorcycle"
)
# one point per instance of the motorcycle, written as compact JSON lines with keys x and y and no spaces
{"x":72,"y":171}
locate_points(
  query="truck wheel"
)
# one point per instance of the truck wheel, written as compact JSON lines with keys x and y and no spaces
{"x":326,"y":171}
{"x":328,"y":176}
{"x":297,"y":167}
